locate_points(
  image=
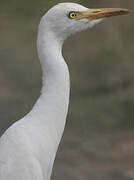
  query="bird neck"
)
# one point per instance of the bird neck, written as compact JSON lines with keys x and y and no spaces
{"x":52,"y":105}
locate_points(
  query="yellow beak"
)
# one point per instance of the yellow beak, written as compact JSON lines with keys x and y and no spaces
{"x":93,"y":14}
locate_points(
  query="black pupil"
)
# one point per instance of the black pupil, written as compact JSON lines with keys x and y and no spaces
{"x":73,"y":14}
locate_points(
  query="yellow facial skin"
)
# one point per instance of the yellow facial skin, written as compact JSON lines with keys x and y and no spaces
{"x":93,"y":14}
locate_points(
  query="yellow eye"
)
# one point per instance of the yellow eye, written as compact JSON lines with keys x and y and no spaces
{"x":72,"y":15}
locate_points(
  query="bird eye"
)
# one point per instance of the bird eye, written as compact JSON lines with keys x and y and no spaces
{"x":72,"y":15}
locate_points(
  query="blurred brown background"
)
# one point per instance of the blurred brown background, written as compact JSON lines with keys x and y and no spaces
{"x":98,"y":142}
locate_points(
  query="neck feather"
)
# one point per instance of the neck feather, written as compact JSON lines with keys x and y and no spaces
{"x":50,"y":110}
{"x":52,"y":105}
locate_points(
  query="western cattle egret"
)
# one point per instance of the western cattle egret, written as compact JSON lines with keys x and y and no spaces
{"x":29,"y":146}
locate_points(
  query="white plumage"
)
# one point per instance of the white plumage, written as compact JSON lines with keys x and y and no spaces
{"x":28,"y":147}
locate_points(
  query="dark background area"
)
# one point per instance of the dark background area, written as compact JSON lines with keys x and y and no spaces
{"x":98,"y":142}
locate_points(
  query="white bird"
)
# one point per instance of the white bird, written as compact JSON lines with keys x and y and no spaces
{"x":29,"y":146}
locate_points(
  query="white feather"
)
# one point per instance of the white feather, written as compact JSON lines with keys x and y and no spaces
{"x":28,"y":147}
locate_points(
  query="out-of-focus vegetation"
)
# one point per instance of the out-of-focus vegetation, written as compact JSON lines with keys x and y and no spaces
{"x":99,"y":140}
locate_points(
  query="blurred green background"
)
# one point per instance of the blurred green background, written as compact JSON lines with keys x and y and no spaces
{"x":98,"y":142}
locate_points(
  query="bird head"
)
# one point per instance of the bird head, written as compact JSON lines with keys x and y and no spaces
{"x":65,"y":19}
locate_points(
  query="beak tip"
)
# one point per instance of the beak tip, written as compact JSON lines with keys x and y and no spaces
{"x":125,"y":11}
{"x":128,"y":11}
